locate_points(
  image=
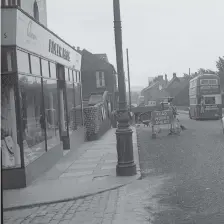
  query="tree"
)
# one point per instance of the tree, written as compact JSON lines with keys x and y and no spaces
{"x":220,"y":67}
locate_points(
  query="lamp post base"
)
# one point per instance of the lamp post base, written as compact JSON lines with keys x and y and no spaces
{"x":126,"y":169}
{"x":125,"y":165}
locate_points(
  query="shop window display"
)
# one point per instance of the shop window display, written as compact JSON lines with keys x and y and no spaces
{"x":51,"y":112}
{"x":23,"y":62}
{"x":35,"y":65}
{"x":33,"y":125}
{"x":9,"y":142}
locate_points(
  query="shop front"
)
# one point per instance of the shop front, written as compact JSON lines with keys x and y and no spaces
{"x":41,"y":101}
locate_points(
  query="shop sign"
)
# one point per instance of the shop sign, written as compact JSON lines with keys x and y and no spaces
{"x":56,"y":49}
{"x":161,"y":117}
{"x":30,"y":31}
{"x":33,"y":37}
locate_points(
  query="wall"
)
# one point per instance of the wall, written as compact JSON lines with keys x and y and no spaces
{"x":95,"y":122}
{"x":27,"y":6}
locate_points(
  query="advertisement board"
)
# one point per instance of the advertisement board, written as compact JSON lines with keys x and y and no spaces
{"x":209,"y":89}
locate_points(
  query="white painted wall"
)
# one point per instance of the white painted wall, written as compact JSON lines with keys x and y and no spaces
{"x":27,"y":6}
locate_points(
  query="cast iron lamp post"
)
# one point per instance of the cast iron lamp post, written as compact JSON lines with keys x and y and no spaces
{"x":125,"y":164}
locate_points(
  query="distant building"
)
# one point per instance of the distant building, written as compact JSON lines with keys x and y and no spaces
{"x":178,"y":88}
{"x":98,"y":75}
{"x":156,"y":91}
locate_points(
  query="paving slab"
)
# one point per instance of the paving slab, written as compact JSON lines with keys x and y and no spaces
{"x":88,"y":171}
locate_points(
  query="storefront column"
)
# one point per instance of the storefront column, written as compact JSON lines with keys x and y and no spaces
{"x":62,"y":111}
{"x":64,"y":132}
{"x":14,"y":128}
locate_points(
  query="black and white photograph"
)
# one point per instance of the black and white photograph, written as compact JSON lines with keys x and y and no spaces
{"x":112,"y":112}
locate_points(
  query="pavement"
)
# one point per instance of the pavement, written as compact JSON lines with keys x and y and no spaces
{"x":88,"y":171}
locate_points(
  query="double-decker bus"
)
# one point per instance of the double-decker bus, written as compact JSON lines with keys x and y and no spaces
{"x":205,"y":97}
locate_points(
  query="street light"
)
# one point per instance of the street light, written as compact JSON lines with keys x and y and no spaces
{"x":125,"y":164}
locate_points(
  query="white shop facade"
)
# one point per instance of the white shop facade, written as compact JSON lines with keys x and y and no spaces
{"x":41,"y":99}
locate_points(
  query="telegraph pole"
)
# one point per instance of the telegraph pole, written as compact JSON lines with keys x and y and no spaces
{"x":129,"y":85}
{"x":125,"y":164}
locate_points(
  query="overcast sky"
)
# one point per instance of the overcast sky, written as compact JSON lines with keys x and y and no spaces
{"x":163,"y":36}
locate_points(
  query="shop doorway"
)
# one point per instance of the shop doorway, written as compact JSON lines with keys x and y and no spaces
{"x":63,"y":112}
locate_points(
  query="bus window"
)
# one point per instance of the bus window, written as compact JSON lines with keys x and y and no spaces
{"x":204,"y":81}
{"x":210,"y":100}
{"x":213,"y":82}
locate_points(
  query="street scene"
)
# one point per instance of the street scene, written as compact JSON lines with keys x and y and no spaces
{"x":110,"y":118}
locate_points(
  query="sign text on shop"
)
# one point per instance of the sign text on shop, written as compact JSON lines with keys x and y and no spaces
{"x":59,"y":51}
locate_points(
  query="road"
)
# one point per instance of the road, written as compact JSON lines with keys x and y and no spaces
{"x":192,"y":166}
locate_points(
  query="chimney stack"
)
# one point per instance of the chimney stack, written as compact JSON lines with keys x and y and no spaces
{"x":78,"y":48}
{"x":174,"y":75}
{"x":166,"y":78}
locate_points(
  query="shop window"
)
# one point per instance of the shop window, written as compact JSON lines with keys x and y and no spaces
{"x":7,"y":60}
{"x":51,"y":112}
{"x":66,"y":74}
{"x":79,"y":77}
{"x":23,"y":62}
{"x":71,"y":106}
{"x":33,"y":119}
{"x":73,"y":76}
{"x":36,"y":11}
{"x":53,"y":73}
{"x":70,"y":75}
{"x":9,"y":140}
{"x":35,"y":65}
{"x":45,"y":68}
{"x":76,"y":76}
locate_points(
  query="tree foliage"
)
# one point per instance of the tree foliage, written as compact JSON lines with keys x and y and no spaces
{"x":220,"y":67}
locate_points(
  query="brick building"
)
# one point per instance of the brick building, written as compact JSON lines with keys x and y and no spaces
{"x":156,"y":91}
{"x":98,"y":75}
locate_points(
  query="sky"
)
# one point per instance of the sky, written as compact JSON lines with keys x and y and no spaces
{"x":162,"y":36}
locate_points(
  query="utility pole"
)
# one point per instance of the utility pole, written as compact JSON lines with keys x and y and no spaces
{"x":129,"y":85}
{"x":189,"y":72}
{"x":125,"y":164}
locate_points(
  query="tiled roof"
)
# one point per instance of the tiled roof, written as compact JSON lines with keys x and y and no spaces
{"x":92,"y":62}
